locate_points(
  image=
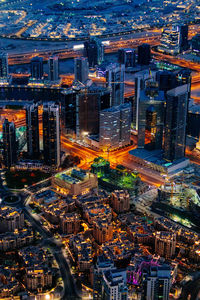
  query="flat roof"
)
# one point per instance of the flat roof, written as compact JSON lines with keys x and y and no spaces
{"x":154,"y":156}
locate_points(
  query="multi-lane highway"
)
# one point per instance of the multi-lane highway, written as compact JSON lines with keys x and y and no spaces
{"x":130,"y":41}
{"x":176,"y":61}
{"x":24,"y":58}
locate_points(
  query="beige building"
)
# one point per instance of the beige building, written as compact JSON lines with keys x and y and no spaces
{"x":70,"y":223}
{"x":120,"y":201}
{"x":74,"y":181}
{"x":13,"y":240}
{"x":165,"y":244}
{"x":10,"y":219}
{"x":38,"y":279}
{"x":102,"y":231}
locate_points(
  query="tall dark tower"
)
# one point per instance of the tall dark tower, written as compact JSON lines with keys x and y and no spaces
{"x":183,"y":76}
{"x":9,"y":144}
{"x":115,"y":74}
{"x":81,"y":69}
{"x":32,"y":130}
{"x":94,"y":51}
{"x":37,"y":67}
{"x":166,"y":80}
{"x":144,"y":54}
{"x":184,"y":45}
{"x":53,"y":68}
{"x":175,"y":123}
{"x":151,"y":118}
{"x":51,"y":134}
{"x":3,"y":65}
{"x":127,"y":57}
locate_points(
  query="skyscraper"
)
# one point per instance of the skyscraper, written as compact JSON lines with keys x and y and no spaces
{"x":3,"y":65}
{"x":89,"y":102}
{"x":53,"y":68}
{"x":196,"y":43}
{"x":69,"y":111}
{"x":166,"y":80}
{"x":9,"y":144}
{"x":125,"y":124}
{"x":183,"y":29}
{"x":175,"y":126}
{"x":94,"y":51}
{"x":115,"y":74}
{"x":170,"y":41}
{"x":81,"y":69}
{"x":80,"y":109}
{"x":151,"y":118}
{"x":32,"y":130}
{"x":51,"y":134}
{"x":37,"y":67}
{"x":115,"y":126}
{"x":144,"y":54}
{"x":127,"y":57}
{"x":184,"y":76}
{"x":141,"y":78}
{"x":158,"y":283}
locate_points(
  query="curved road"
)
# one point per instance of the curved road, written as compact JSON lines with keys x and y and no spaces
{"x":191,"y":289}
{"x":70,"y":292}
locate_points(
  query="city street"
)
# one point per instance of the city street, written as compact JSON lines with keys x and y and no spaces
{"x":70,"y":291}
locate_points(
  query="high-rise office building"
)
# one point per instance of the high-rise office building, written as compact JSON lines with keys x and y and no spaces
{"x":114,"y":131}
{"x":68,"y":111}
{"x":89,"y":102}
{"x":51,"y":134}
{"x":94,"y":51}
{"x":151,"y":118}
{"x":125,"y":124}
{"x":81,"y":69}
{"x":9,"y":144}
{"x":114,"y":285}
{"x":158,"y":283}
{"x":37,"y":67}
{"x":115,"y":74}
{"x":141,"y":79}
{"x":171,"y":40}
{"x":196,"y":43}
{"x":32,"y":130}
{"x":109,"y":128}
{"x":80,"y":109}
{"x":184,"y":45}
{"x":144,"y":54}
{"x":53,"y":68}
{"x":193,"y":120}
{"x":184,"y":76}
{"x":166,"y":80}
{"x":175,"y":124}
{"x":165,"y":244}
{"x":3,"y":65}
{"x":127,"y":57}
